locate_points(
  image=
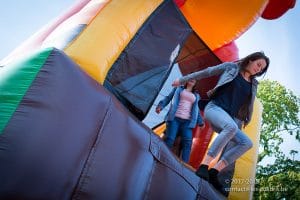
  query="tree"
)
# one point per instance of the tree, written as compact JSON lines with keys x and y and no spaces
{"x":280,"y":180}
{"x":280,"y":117}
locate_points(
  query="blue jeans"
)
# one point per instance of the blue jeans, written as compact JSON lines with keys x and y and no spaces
{"x":173,"y":128}
{"x":228,"y":130}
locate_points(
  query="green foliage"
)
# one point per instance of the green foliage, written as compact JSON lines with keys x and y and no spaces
{"x":280,"y":180}
{"x":280,"y":117}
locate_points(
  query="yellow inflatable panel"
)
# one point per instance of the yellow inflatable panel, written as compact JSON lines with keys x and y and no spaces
{"x":160,"y":130}
{"x":242,"y":186}
{"x":102,"y":41}
{"x":220,"y":22}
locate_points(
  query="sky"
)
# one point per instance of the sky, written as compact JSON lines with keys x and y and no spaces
{"x":279,"y":39}
{"x":21,"y":19}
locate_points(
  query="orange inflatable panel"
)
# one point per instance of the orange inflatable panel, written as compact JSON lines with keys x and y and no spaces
{"x":220,"y":22}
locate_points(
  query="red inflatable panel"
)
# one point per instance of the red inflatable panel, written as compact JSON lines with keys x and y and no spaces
{"x":179,"y":3}
{"x":276,"y":8}
{"x":201,"y":139}
{"x":228,"y":52}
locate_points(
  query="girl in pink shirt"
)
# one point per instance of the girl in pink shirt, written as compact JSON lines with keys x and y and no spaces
{"x":182,"y":116}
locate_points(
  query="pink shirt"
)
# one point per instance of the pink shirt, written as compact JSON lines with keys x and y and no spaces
{"x":186,"y":102}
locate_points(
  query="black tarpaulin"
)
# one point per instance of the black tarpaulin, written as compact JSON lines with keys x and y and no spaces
{"x":71,"y":139}
{"x":139,"y":73}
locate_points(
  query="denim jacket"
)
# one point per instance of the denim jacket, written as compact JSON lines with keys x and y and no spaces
{"x":227,"y":71}
{"x":175,"y":97}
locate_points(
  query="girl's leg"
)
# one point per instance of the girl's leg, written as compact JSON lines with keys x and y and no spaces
{"x":171,"y":132}
{"x":186,"y":141}
{"x":220,"y":120}
{"x":226,"y":126}
{"x":220,"y":165}
{"x":243,"y":144}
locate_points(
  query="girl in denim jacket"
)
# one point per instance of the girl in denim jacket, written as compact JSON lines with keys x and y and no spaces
{"x":182,"y":116}
{"x":230,"y":107}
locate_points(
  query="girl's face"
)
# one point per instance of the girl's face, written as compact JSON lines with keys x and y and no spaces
{"x":256,"y":66}
{"x":191,"y":82}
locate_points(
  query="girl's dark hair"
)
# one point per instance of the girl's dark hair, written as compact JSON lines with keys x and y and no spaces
{"x":252,"y":57}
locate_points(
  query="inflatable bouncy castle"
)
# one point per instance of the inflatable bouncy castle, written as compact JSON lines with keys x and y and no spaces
{"x":77,"y":100}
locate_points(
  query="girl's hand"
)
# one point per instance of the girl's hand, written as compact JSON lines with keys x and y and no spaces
{"x":157,"y":110}
{"x":176,"y":83}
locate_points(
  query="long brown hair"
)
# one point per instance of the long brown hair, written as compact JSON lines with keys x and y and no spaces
{"x":252,"y":57}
